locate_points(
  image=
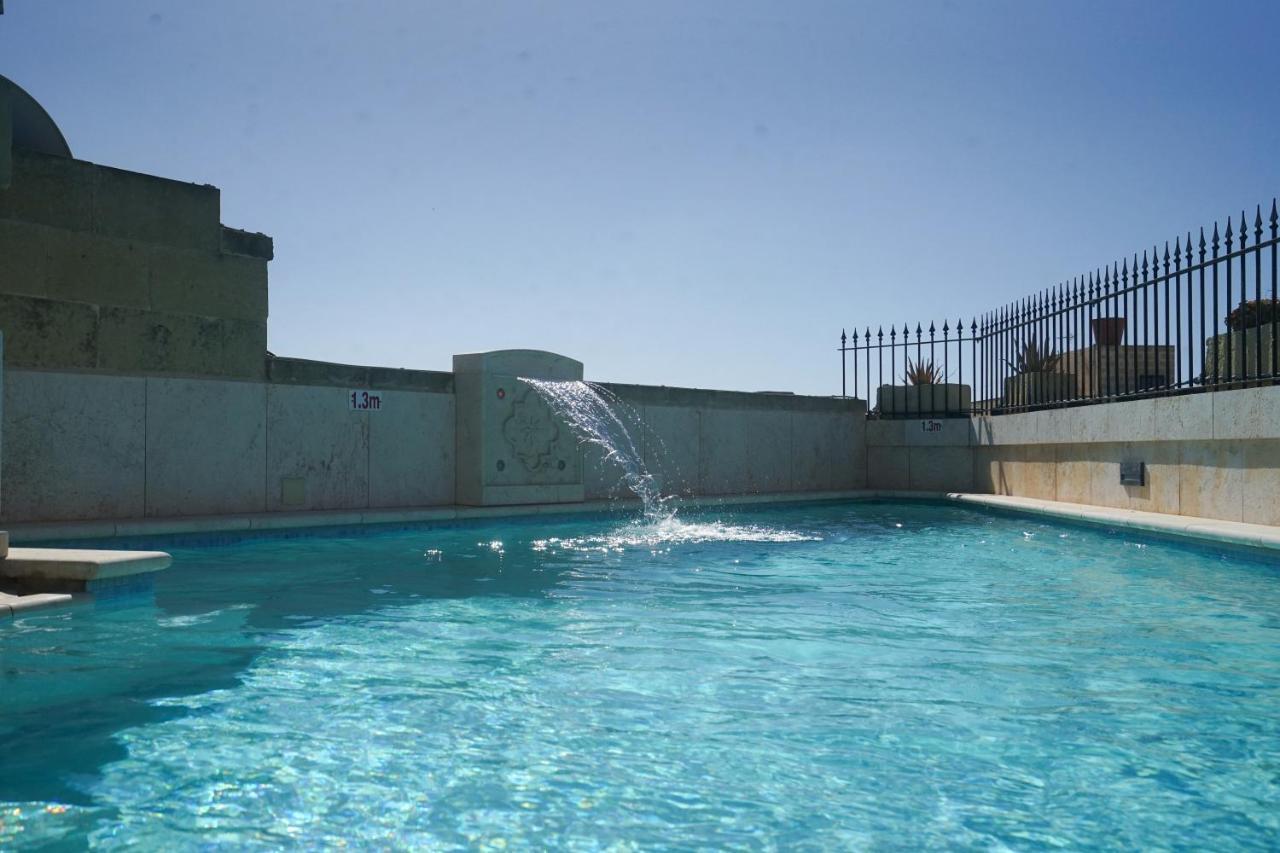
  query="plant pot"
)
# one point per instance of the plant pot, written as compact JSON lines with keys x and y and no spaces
{"x":909,"y":401}
{"x":1108,"y":331}
{"x":1034,"y":389}
{"x":1243,"y":349}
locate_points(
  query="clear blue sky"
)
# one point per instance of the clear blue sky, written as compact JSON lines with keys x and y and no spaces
{"x":675,"y":193}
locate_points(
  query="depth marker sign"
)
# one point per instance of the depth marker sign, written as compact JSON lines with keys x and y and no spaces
{"x":364,"y":401}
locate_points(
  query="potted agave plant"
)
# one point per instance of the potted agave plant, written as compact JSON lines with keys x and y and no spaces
{"x":924,"y":393}
{"x":1036,"y":376}
{"x":1253,"y":326}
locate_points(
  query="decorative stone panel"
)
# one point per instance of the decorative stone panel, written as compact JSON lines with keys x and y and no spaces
{"x":511,"y":447}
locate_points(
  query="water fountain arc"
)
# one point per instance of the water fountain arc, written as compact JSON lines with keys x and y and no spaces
{"x":598,"y":417}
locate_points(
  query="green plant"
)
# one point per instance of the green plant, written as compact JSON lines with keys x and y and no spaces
{"x":923,"y":373}
{"x":1250,"y":315}
{"x":1032,"y":358}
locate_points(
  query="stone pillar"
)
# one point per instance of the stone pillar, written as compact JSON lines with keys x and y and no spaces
{"x":511,"y":447}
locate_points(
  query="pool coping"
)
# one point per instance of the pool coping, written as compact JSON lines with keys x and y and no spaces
{"x":1236,"y":533}
{"x":1256,"y":537}
{"x":63,"y":531}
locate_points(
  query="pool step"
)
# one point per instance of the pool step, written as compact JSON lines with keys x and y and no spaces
{"x":25,"y":571}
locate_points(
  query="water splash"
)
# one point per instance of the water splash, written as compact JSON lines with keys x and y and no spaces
{"x":598,"y":417}
{"x":662,"y":533}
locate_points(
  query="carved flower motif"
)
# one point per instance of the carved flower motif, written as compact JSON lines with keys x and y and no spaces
{"x":531,"y":432}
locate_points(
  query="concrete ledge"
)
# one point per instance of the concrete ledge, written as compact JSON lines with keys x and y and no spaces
{"x":1190,"y":527}
{"x":302,"y":371}
{"x":663,"y":395}
{"x":12,"y":605}
{"x":72,"y":570}
{"x":236,"y":241}
{"x":1243,"y":414}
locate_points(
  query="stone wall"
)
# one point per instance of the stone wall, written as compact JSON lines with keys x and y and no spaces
{"x":1213,"y":455}
{"x":94,"y":446}
{"x":104,"y":270}
{"x":698,"y":442}
{"x":920,"y":455}
{"x":91,"y":446}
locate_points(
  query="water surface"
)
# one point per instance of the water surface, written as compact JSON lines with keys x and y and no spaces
{"x":821,"y":676}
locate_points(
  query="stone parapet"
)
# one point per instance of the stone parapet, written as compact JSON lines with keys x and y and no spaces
{"x":116,"y":271}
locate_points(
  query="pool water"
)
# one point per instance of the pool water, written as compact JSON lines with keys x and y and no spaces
{"x":820,"y":676}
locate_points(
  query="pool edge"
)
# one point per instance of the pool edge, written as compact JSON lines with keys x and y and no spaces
{"x":1241,"y":534}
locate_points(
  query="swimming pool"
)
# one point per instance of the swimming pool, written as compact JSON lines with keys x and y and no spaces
{"x":825,"y":675}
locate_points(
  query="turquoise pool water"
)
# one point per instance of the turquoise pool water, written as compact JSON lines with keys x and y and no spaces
{"x":821,"y":676}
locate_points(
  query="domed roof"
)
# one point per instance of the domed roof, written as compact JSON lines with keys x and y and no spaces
{"x":33,"y":129}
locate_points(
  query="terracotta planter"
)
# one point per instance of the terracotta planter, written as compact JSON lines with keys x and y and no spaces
{"x":908,"y":401}
{"x":1108,"y":331}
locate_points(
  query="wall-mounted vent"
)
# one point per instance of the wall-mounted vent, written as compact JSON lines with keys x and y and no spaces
{"x":1133,"y":474}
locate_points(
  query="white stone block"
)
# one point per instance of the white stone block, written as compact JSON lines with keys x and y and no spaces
{"x":672,"y":448}
{"x":73,"y":446}
{"x":744,"y":451}
{"x":206,"y":447}
{"x":1247,"y":413}
{"x":411,"y":449}
{"x":313,"y":434}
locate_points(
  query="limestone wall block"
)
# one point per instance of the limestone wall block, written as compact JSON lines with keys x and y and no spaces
{"x":209,"y":284}
{"x":134,"y":206}
{"x":206,"y":447}
{"x":317,"y":450}
{"x":1262,"y":481}
{"x":1211,"y":482}
{"x":25,"y":253}
{"x":672,"y":445}
{"x":411,"y":449}
{"x":87,"y":268}
{"x":49,"y":190}
{"x":73,"y":446}
{"x":49,"y":333}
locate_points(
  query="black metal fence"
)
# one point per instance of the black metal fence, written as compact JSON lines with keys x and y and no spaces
{"x":1198,"y":315}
